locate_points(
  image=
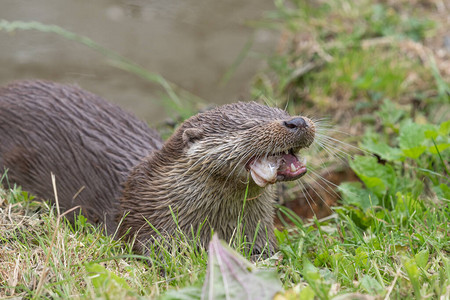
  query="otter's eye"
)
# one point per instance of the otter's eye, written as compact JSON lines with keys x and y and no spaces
{"x":296,"y":123}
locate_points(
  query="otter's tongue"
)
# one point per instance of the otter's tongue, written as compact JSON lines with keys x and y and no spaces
{"x":276,"y":168}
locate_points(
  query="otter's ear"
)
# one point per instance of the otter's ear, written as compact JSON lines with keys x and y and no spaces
{"x":190,"y":135}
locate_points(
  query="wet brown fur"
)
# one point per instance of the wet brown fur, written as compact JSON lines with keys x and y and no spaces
{"x":116,"y":165}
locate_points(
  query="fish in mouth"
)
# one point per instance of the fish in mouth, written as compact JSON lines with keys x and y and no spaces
{"x":284,"y":166}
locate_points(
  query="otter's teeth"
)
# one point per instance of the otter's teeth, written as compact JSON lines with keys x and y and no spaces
{"x":293,"y":168}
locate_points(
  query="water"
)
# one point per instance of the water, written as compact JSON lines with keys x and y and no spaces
{"x":192,"y":43}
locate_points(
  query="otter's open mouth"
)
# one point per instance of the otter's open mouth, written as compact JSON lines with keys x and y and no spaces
{"x":279,"y":167}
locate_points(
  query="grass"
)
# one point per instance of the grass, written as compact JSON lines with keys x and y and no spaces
{"x":376,"y":71}
{"x":80,"y":261}
{"x":404,"y":249}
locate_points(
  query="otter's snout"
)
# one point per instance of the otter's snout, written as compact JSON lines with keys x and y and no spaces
{"x":299,"y":130}
{"x":296,"y":123}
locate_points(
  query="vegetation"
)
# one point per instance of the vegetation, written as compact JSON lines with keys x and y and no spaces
{"x":376,"y":68}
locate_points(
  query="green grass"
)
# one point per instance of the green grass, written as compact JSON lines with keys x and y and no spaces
{"x":407,"y":248}
{"x":402,"y":251}
{"x":350,"y":55}
{"x":79,"y":260}
{"x":372,"y":69}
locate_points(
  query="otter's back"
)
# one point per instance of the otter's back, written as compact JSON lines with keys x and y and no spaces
{"x":88,"y":143}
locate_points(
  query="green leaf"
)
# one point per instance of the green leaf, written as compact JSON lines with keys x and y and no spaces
{"x":310,"y":272}
{"x":383,"y":150}
{"x":346,"y":267}
{"x":444,"y":128}
{"x":374,"y":183}
{"x":230,"y":276}
{"x":356,"y":215}
{"x":438,"y":148}
{"x":413,"y":273}
{"x":354,"y":194}
{"x":306,"y":293}
{"x":422,"y":258}
{"x":187,"y":293}
{"x":362,"y":257}
{"x":432,"y":133}
{"x":315,"y":279}
{"x":297,"y":292}
{"x":412,"y":137}
{"x":389,"y":113}
{"x":378,"y":178}
{"x":371,"y":285}
{"x":103,"y":278}
{"x":414,"y":152}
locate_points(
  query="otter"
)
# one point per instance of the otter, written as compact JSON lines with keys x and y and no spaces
{"x":218,"y":167}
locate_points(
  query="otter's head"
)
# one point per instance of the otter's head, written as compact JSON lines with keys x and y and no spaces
{"x":232,"y":140}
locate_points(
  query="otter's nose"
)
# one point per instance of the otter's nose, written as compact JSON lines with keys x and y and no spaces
{"x":296,"y":123}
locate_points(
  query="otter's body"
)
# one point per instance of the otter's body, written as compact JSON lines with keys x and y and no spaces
{"x":111,"y":164}
{"x":89,"y":144}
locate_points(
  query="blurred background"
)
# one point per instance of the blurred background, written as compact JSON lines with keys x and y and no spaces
{"x":191,"y":43}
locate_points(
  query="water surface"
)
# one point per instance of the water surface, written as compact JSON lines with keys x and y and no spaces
{"x":192,"y":43}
